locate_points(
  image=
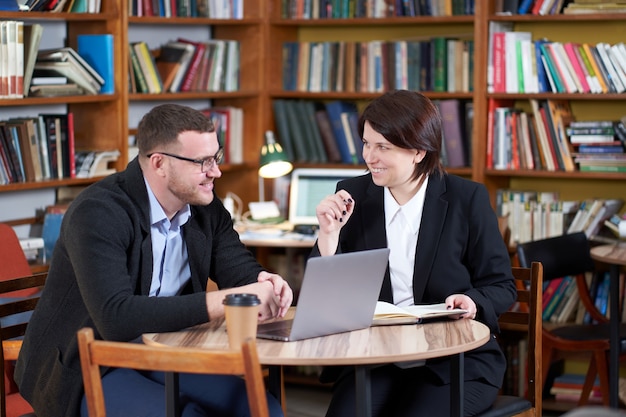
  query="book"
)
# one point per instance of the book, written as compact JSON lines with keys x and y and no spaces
{"x":453,"y":132}
{"x":326,"y":133}
{"x":390,"y":314}
{"x":282,"y":127}
{"x":148,"y":67}
{"x":172,"y":58}
{"x":334,"y":110}
{"x":91,"y":164}
{"x":97,"y":50}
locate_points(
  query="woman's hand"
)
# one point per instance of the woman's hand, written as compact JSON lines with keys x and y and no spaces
{"x":462,"y":301}
{"x":332,"y":214}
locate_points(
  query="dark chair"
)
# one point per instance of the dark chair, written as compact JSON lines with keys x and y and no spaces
{"x":569,"y":255}
{"x":14,"y":315}
{"x":526,"y":319}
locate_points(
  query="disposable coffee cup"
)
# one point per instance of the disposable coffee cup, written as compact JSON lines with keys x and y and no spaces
{"x":242,"y":312}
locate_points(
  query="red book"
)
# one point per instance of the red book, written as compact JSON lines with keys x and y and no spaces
{"x":499,"y":67}
{"x":192,"y":71}
{"x":71,"y":145}
{"x":571,"y":49}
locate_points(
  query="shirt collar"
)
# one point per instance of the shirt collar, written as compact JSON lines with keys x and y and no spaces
{"x":412,"y":210}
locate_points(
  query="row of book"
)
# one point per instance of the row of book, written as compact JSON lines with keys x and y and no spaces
{"x":344,"y":9}
{"x":534,"y":215}
{"x":547,"y":139}
{"x":184,"y":65}
{"x":213,"y":9}
{"x":228,"y":122}
{"x":53,"y":6}
{"x":561,"y":300}
{"x":523,"y":65}
{"x":442,"y":64}
{"x":37,"y":148}
{"x":327,"y":132}
{"x":535,"y":7}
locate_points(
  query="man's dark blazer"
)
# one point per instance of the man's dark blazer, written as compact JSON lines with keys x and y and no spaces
{"x":100,"y":277}
{"x":459,"y":250}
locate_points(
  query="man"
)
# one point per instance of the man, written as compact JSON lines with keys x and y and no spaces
{"x":134,"y":255}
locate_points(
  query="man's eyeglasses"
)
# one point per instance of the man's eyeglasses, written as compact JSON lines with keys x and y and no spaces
{"x":205,"y":164}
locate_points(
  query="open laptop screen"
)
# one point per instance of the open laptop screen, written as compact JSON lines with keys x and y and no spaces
{"x":309,"y":186}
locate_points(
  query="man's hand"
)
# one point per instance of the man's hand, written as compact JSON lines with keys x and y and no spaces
{"x":283,"y":295}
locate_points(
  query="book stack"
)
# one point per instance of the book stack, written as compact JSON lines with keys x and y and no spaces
{"x":568,"y":387}
{"x":600,"y":145}
{"x":37,"y":148}
{"x":66,"y":62}
{"x":185,"y":66}
{"x":597,"y":6}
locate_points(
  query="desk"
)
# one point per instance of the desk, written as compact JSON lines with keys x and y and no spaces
{"x":371,"y":346}
{"x":292,"y":243}
{"x":615,"y":256}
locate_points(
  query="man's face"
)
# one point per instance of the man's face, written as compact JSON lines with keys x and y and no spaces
{"x":189,"y":182}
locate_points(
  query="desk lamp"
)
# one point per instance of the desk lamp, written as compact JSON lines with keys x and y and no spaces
{"x":273,"y":163}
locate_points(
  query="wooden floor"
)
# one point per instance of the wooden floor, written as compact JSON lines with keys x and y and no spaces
{"x":310,"y":401}
{"x":306,"y":401}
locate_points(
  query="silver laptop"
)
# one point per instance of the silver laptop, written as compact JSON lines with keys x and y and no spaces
{"x":338,"y":294}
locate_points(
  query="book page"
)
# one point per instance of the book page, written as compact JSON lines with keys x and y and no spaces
{"x":388,"y":314}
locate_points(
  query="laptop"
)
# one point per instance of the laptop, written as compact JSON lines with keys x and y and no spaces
{"x":338,"y":294}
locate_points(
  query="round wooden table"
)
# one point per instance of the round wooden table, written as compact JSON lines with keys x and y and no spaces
{"x":360,"y":348}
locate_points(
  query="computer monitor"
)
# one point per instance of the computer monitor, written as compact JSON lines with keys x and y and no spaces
{"x":309,"y":186}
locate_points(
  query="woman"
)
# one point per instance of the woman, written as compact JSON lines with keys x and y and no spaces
{"x":445,"y":246}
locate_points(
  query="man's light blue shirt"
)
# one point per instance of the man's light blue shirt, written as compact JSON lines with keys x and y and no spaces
{"x":170,"y":261}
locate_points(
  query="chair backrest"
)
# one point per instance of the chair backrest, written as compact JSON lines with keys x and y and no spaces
{"x":15,"y":312}
{"x":560,"y":256}
{"x":96,"y":353}
{"x":13,"y":262}
{"x":527,"y":318}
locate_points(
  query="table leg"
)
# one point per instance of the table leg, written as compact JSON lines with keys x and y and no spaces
{"x":457,"y":376}
{"x":172,"y":401}
{"x":274,"y":382}
{"x":363,"y":391}
{"x":615,"y":337}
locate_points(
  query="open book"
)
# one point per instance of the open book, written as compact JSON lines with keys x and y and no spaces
{"x":389,"y":314}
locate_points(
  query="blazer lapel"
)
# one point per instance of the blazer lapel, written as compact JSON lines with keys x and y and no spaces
{"x":374,"y":231}
{"x":433,"y":216}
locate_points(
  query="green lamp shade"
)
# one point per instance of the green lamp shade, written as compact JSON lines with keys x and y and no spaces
{"x":274,"y":162}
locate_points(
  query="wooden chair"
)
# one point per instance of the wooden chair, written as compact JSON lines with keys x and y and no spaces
{"x":524,"y":318}
{"x":96,"y":353}
{"x":562,"y":256}
{"x":14,"y":315}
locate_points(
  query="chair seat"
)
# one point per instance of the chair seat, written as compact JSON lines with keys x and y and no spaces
{"x":18,"y":407}
{"x":586,"y":332}
{"x":506,"y":406}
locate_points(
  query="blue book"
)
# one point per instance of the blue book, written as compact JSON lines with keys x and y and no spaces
{"x":97,"y":50}
{"x":9,"y":6}
{"x":542,"y":77}
{"x":334,"y":109}
{"x":525,"y":6}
